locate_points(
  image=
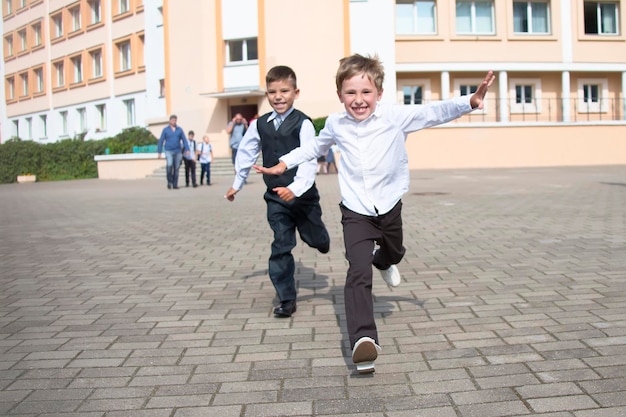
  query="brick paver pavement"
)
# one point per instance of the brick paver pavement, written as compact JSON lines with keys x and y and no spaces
{"x":124,"y":299}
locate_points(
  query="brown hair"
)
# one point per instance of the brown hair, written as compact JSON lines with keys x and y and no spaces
{"x":280,"y":73}
{"x":359,"y":64}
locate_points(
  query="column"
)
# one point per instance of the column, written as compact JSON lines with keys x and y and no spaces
{"x":445,"y":85}
{"x":503,"y":83}
{"x":565,"y":96}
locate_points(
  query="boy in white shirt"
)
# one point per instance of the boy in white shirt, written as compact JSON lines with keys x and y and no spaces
{"x":374,"y":176}
{"x":205,"y":156}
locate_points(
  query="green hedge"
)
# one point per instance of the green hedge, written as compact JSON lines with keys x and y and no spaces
{"x":67,"y":159}
{"x":318,"y":124}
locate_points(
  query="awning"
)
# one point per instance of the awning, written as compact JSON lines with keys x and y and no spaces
{"x":235,"y":93}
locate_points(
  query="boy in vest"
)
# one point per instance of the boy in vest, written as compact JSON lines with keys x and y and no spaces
{"x":292,"y":198}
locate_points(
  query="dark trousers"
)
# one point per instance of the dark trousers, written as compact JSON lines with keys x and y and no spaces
{"x":190,"y":170}
{"x":360,"y":234}
{"x":305,"y":215}
{"x":205,"y":168}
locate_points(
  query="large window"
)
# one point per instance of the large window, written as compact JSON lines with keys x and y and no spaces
{"x":77,"y":67}
{"x":82,"y":119}
{"x":96,"y":63}
{"x":37,"y":34}
{"x":25,"y":86}
{"x":241,"y":50}
{"x":413,"y":91}
{"x":23,"y":39}
{"x":59,"y":74}
{"x":101,"y":114}
{"x":474,"y":17}
{"x":123,"y":6}
{"x":531,"y":17}
{"x":125,"y":58}
{"x":601,"y":18}
{"x":10,"y":88}
{"x":95,"y":9}
{"x":43,"y":122}
{"x":8,"y":46}
{"x":63,"y":117}
{"x":416,"y":17}
{"x":39,"y":80}
{"x":57,"y":25}
{"x":76,"y":18}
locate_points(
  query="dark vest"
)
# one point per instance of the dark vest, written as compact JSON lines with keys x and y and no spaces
{"x":275,"y":144}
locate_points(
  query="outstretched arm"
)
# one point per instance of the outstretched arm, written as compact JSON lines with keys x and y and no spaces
{"x":277,"y":169}
{"x":476,"y":100}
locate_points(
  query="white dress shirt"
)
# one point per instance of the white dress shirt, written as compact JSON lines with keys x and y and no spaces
{"x":250,"y":149}
{"x":374,"y":170}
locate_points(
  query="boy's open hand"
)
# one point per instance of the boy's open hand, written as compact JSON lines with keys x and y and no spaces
{"x":477,"y":99}
{"x":284,"y":193}
{"x":277,"y":169}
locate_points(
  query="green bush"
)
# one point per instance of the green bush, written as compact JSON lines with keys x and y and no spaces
{"x":318,"y":124}
{"x":67,"y":159}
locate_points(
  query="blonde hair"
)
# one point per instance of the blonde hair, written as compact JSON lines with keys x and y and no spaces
{"x":359,"y":64}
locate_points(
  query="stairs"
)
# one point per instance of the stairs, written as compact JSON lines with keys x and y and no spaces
{"x":220,"y":167}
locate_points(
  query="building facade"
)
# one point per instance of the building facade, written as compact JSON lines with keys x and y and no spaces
{"x":97,"y":66}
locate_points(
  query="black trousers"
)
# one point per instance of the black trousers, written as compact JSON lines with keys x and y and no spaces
{"x":303,"y":214}
{"x":190,"y":170}
{"x":361,"y":234}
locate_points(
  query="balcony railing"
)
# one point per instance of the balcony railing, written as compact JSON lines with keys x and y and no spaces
{"x":548,"y":110}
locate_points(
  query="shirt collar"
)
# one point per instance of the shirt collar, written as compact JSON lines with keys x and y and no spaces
{"x":377,"y":113}
{"x":274,"y":115}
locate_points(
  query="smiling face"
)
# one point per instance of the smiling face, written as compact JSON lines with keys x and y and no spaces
{"x":359,"y":96}
{"x":281,"y":94}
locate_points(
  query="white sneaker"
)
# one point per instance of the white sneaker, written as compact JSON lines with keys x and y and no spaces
{"x":364,"y":354}
{"x":391,"y":276}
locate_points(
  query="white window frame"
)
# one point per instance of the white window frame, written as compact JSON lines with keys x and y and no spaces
{"x":602,"y":106}
{"x":43,"y":121}
{"x":59,"y":71}
{"x":81,"y":112}
{"x":616,"y":5}
{"x":58,"y":25}
{"x":23,"y":39}
{"x":63,"y":116}
{"x":412,"y":84}
{"x":76,"y":18}
{"x":95,"y":7}
{"x":474,"y":31}
{"x":37,"y":34}
{"x":126,"y":57}
{"x":416,"y":18}
{"x":529,"y":17}
{"x":77,"y":67}
{"x":101,"y":117}
{"x":96,"y":63}
{"x":29,"y":128}
{"x":129,"y":112}
{"x":39,"y":81}
{"x":11,"y":88}
{"x":123,"y":6}
{"x":525,"y":108}
{"x":9,"y":4}
{"x":244,"y":52}
{"x":8,"y":39}
{"x":25,"y":86}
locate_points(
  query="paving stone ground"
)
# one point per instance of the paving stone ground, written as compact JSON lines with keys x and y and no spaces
{"x":124,"y":299}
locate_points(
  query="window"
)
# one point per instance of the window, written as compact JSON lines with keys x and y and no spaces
{"x":161,"y":88}
{"x":413,"y":95}
{"x":601,"y":18}
{"x":37,"y":34}
{"x":125,"y":56}
{"x":123,"y":6}
{"x":467,"y":89}
{"x":25,"y":86}
{"x":241,"y":50}
{"x":39,"y":81}
{"x":10,"y":88}
{"x":29,"y":127}
{"x":159,"y":19}
{"x":129,"y":105}
{"x":23,"y":39}
{"x":95,"y":9}
{"x":593,"y":95}
{"x":16,"y":128}
{"x":76,"y":18}
{"x":531,"y":17}
{"x":22,"y":4}
{"x":63,"y":116}
{"x":8,"y":46}
{"x":59,"y":73}
{"x":96,"y":63}
{"x":77,"y":67}
{"x":140,"y":53}
{"x":525,"y":95}
{"x":43,"y":121}
{"x":101,"y":113}
{"x":415,"y":17}
{"x":8,"y":7}
{"x":57,"y":25}
{"x":82,"y":123}
{"x":474,"y":17}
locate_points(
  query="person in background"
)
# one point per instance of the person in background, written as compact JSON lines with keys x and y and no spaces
{"x":236,"y":129}
{"x":205,"y":156}
{"x":190,"y":161}
{"x":174,"y":142}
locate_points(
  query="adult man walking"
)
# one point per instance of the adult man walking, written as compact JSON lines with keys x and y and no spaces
{"x":174,"y":142}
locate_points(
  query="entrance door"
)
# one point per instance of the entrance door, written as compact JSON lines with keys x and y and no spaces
{"x":248,"y":111}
